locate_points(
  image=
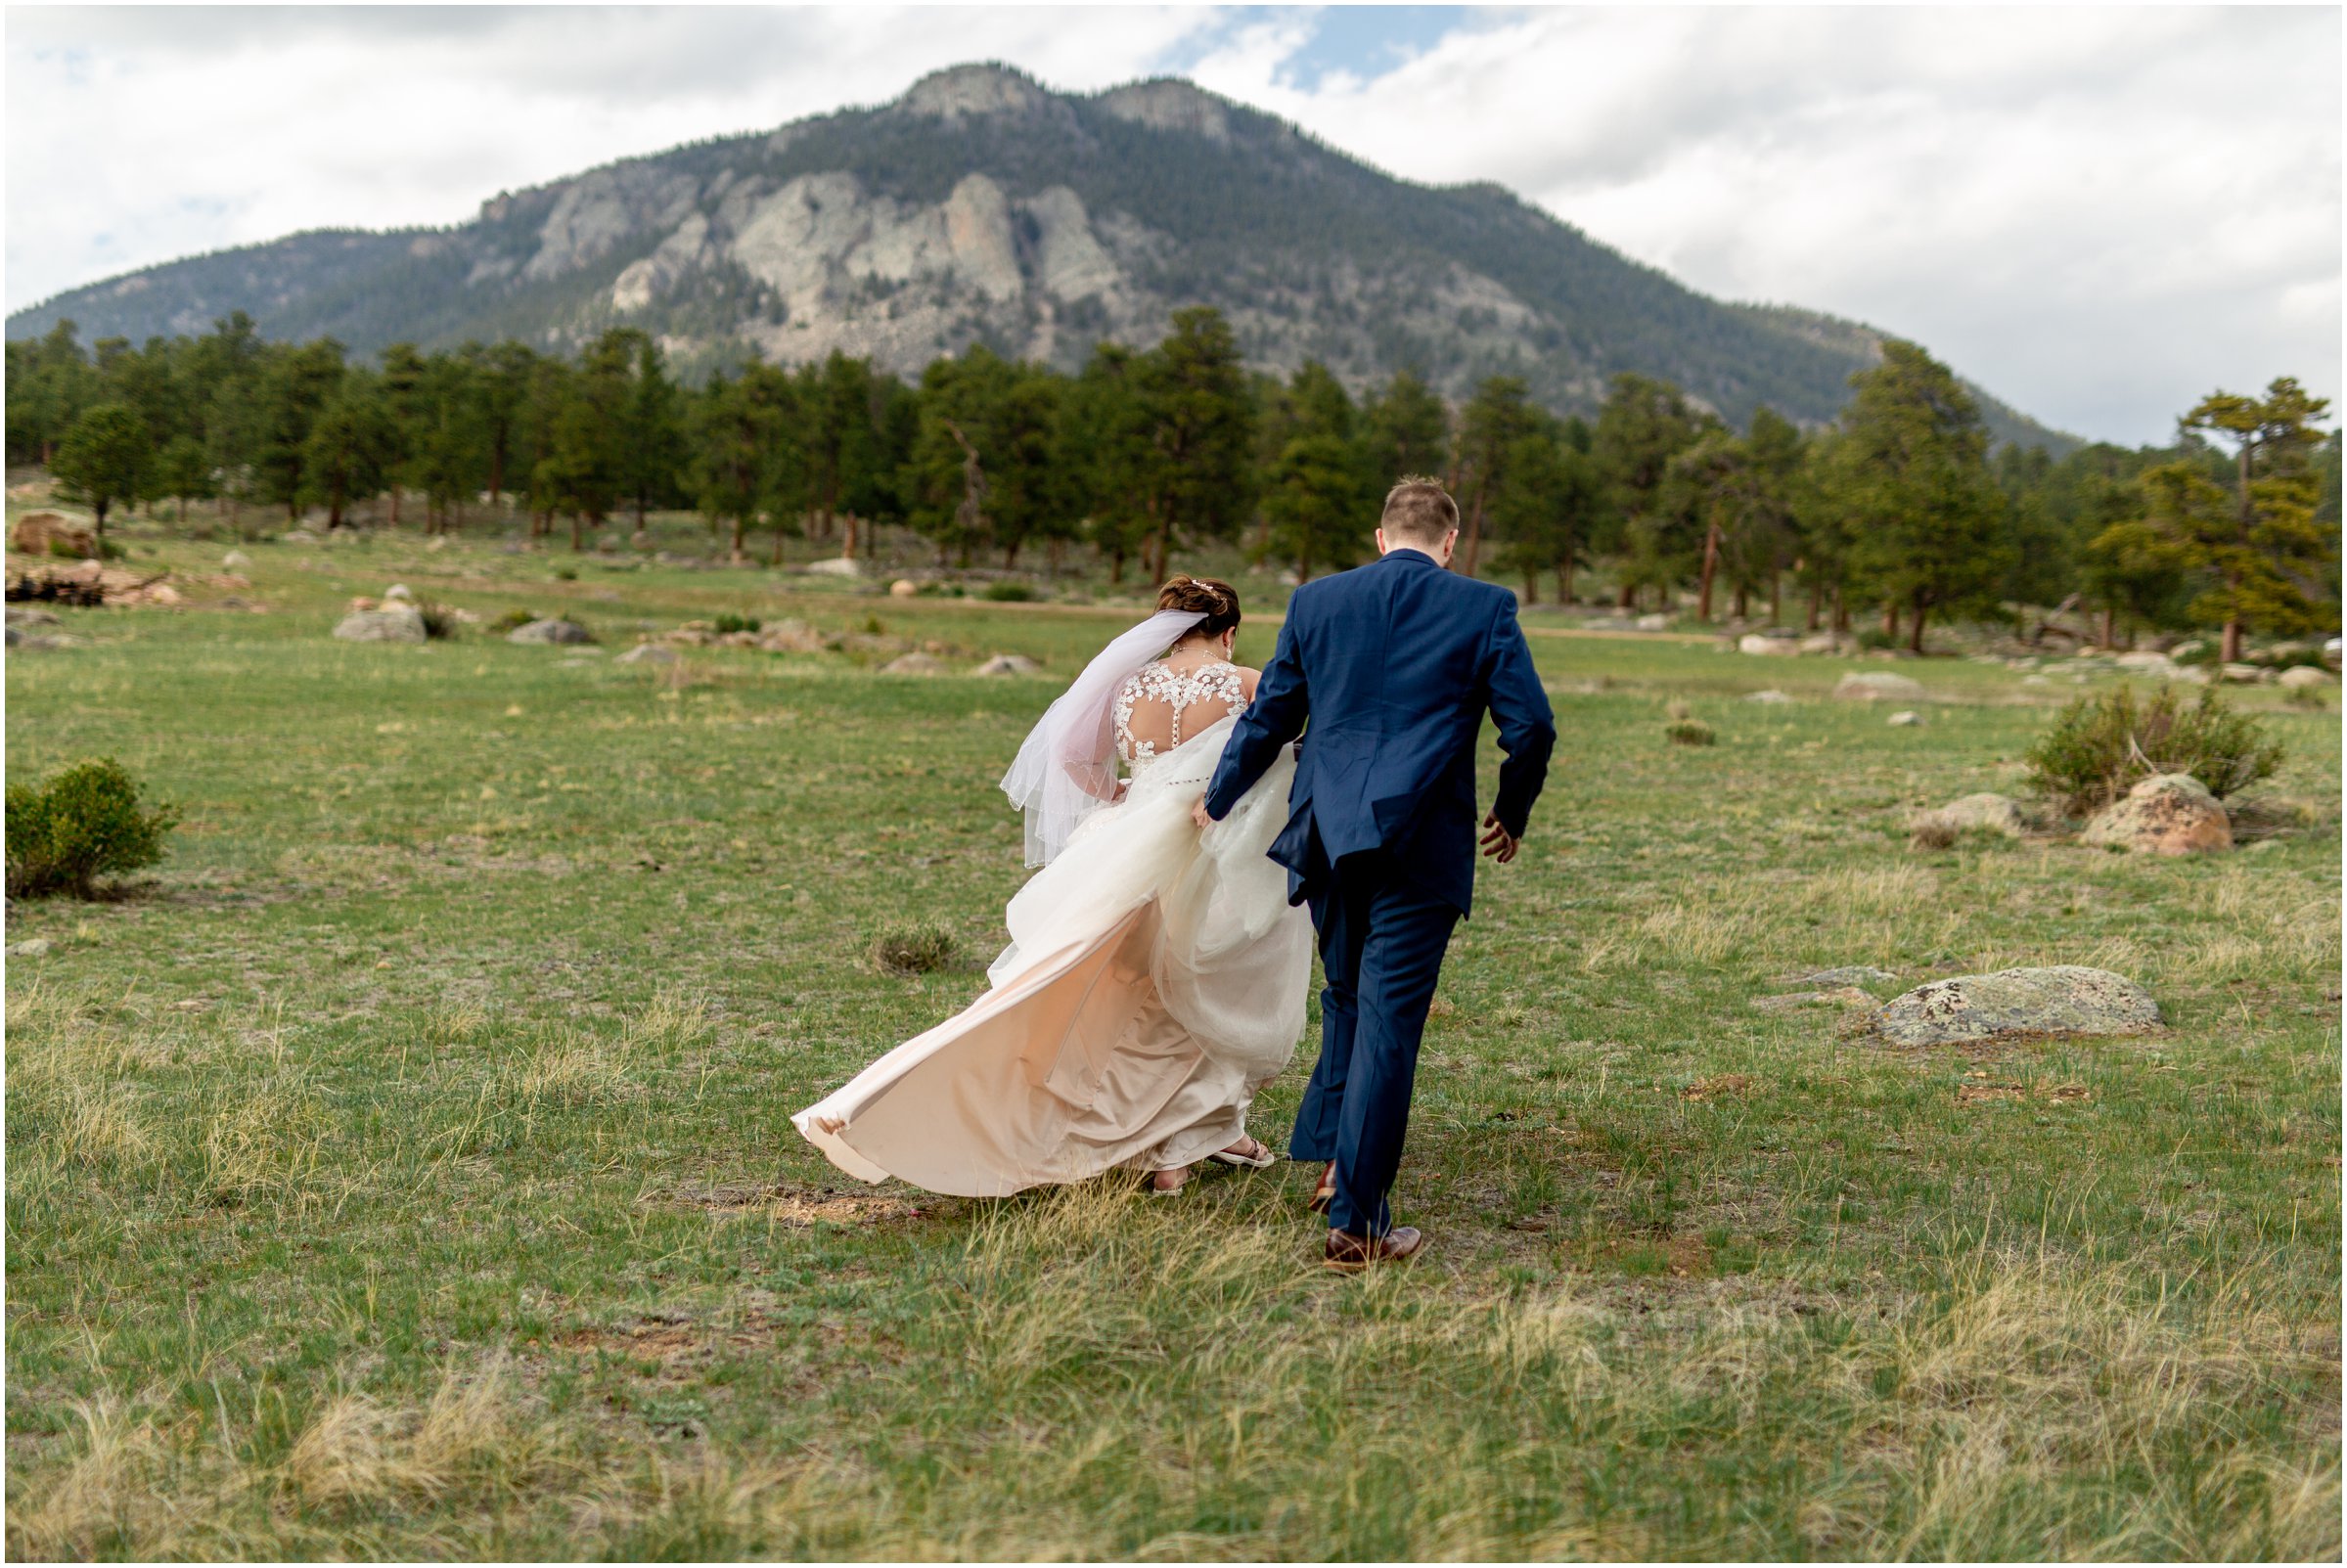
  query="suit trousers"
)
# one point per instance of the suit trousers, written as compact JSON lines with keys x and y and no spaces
{"x":1381,"y":942}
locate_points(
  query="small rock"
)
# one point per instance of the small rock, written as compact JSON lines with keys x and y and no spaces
{"x":838,"y":566}
{"x":2000,"y":813}
{"x":1847,"y":975}
{"x":2166,"y":814}
{"x":2036,"y":680}
{"x":1652,"y":623}
{"x":1757,"y":643}
{"x":28,"y":615}
{"x":234,"y":561}
{"x":1847,"y":996}
{"x":1009,"y":664}
{"x":2192,"y":674}
{"x":651,"y":654}
{"x":2062,"y":1000}
{"x":1821,"y":643}
{"x":2247,"y":674}
{"x":1907,"y":720}
{"x":1877,"y":685}
{"x":903,"y":588}
{"x":29,"y":947}
{"x":790,"y":636}
{"x":399,"y":624}
{"x":1772,"y":694}
{"x":398,"y":590}
{"x":298,"y":536}
{"x":913,"y":664}
{"x":2304,"y":675}
{"x":549,"y":631}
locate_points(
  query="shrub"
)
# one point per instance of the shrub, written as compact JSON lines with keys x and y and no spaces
{"x":914,"y":947}
{"x":565,"y":574}
{"x":729,"y":623}
{"x":1934,"y":830}
{"x":1688,"y":733}
{"x":511,"y":620}
{"x":1009,"y":593}
{"x":2100,"y":747}
{"x":1874,"y":637}
{"x":2306,"y":697}
{"x":84,"y":823}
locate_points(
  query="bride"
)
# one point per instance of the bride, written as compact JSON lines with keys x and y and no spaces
{"x":1155,"y":976}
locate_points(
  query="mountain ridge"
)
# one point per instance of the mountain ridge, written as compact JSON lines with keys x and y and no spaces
{"x":982,"y":207}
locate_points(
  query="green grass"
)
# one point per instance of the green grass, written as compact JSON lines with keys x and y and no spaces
{"x":406,"y":1170}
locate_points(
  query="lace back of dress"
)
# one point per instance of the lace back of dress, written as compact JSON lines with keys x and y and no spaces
{"x":1160,"y":706}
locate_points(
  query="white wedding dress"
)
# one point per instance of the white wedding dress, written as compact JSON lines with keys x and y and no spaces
{"x":1155,"y":980}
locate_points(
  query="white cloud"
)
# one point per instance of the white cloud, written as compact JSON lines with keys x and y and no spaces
{"x":2098,"y":213}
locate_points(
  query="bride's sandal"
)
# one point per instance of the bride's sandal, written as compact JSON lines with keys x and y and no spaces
{"x":1165,"y":1183}
{"x":1248,"y":1152}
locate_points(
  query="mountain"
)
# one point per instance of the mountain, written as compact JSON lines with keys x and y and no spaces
{"x":981,"y":206}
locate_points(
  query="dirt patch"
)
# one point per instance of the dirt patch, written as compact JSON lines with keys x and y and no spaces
{"x":1727,"y":1086}
{"x":798,"y":1205}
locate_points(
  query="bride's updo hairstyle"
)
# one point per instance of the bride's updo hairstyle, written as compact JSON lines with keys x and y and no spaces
{"x":1209,"y":597}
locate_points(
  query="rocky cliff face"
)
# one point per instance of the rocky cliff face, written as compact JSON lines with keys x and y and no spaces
{"x":981,"y":206}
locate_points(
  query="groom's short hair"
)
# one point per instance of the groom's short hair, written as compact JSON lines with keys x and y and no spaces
{"x":1421,"y":511}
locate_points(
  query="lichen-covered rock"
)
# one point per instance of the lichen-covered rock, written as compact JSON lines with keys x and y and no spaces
{"x":2166,"y":814}
{"x":1999,"y":814}
{"x":1009,"y":664}
{"x":549,"y":631}
{"x":2304,"y":675}
{"x":397,"y":623}
{"x":2065,"y":998}
{"x":1877,"y":686}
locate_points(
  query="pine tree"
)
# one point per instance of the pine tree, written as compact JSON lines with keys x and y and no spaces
{"x":2267,"y":551}
{"x":103,"y":458}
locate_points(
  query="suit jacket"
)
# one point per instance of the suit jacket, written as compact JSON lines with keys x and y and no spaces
{"x":1394,"y":664}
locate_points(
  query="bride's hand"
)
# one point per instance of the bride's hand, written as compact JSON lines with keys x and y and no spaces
{"x":1123,"y":787}
{"x":1199,"y":814}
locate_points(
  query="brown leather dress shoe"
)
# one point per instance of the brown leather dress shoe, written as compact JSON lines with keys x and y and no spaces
{"x":1325,"y":1193}
{"x":1348,"y":1253}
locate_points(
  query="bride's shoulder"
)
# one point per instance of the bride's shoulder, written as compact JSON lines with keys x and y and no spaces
{"x":1247,"y":677}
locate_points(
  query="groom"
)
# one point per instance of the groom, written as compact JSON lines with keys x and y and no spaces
{"x":1394,"y":664}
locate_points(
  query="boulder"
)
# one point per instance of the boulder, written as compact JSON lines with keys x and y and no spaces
{"x":1757,"y":643}
{"x":1907,"y":720}
{"x":1652,"y":623}
{"x":1821,"y":643}
{"x":2193,"y":674}
{"x":837,"y":566}
{"x":1997,"y":814}
{"x":234,"y":561}
{"x":42,"y":533}
{"x":2304,"y":675}
{"x":649,"y":653}
{"x":32,"y":947}
{"x":549,"y":631}
{"x":2144,"y":662}
{"x":2246,"y":674}
{"x":399,"y":591}
{"x":1009,"y":664}
{"x":400,"y":623}
{"x":27,"y":616}
{"x":790,"y":636}
{"x":2064,"y":1000}
{"x":1876,"y":687}
{"x":1772,"y":694}
{"x":913,"y":664}
{"x":2166,"y":814}
{"x":903,"y":588}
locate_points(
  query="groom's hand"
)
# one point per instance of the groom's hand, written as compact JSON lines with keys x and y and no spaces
{"x":1499,"y":842}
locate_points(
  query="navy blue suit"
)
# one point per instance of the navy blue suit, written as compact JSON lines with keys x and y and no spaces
{"x":1394,"y":664}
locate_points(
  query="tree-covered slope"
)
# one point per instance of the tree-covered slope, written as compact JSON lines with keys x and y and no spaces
{"x":982,"y":207}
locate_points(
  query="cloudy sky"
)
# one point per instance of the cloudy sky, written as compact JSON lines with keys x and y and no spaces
{"x":2098,"y":213}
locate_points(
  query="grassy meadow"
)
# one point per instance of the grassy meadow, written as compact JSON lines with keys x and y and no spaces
{"x":404,"y":1168}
